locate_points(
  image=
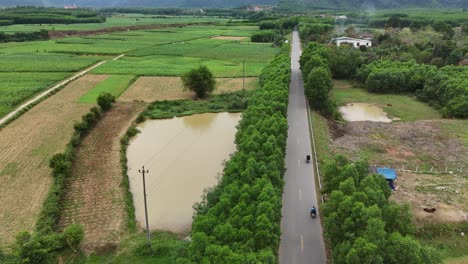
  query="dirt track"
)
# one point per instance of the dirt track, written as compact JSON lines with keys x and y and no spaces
{"x":26,"y":145}
{"x":93,"y":194}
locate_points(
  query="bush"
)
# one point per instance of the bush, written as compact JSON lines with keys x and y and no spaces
{"x":105,"y":101}
{"x":73,"y":235}
{"x":200,"y":81}
{"x":36,"y":248}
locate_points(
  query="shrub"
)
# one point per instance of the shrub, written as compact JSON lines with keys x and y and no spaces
{"x":105,"y":101}
{"x":200,"y":81}
{"x":73,"y":235}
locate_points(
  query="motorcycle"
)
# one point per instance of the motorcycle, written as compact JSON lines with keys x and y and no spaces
{"x":308,"y":158}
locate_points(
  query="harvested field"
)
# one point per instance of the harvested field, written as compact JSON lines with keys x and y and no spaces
{"x":229,"y":38}
{"x":150,"y":89}
{"x":420,"y":143}
{"x":94,"y":196}
{"x":27,"y":145}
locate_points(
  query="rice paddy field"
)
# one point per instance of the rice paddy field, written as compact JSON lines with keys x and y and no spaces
{"x":28,"y":68}
{"x":119,"y":20}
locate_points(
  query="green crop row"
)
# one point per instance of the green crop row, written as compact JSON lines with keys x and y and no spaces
{"x":114,"y":85}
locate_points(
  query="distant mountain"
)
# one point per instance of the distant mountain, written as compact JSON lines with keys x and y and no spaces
{"x":378,"y":4}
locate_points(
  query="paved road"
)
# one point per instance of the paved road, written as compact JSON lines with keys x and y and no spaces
{"x":301,"y":239}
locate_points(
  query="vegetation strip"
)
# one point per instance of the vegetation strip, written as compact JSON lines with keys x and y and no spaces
{"x":239,"y":219}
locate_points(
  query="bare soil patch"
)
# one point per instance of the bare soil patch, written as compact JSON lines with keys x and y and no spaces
{"x":422,"y":145}
{"x":26,"y":145}
{"x":150,"y":89}
{"x":94,"y":196}
{"x":229,"y":38}
{"x":447,"y":193}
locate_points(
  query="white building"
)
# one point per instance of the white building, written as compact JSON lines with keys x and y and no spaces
{"x":356,"y":43}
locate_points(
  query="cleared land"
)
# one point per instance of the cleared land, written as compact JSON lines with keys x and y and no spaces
{"x":114,"y":85}
{"x":94,"y":196}
{"x":27,"y":145}
{"x":150,"y":89}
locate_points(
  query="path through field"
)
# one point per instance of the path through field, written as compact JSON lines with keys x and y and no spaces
{"x":93,"y":195}
{"x":51,"y":89}
{"x":26,"y":145}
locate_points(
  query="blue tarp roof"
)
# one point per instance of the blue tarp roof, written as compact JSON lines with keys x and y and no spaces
{"x":389,"y":174}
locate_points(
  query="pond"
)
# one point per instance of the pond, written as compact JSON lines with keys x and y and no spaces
{"x":363,"y":112}
{"x":184,"y":156}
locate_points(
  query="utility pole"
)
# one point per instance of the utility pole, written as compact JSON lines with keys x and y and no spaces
{"x":243,"y":75}
{"x":148,"y":233}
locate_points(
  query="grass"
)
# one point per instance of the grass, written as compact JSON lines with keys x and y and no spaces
{"x":133,"y":249}
{"x":404,"y":107}
{"x":456,"y":129}
{"x":446,"y":239}
{"x":322,"y":137}
{"x":230,"y":102}
{"x":114,"y":85}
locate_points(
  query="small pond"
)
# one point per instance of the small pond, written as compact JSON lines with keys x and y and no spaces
{"x":363,"y":112}
{"x":184,"y":156}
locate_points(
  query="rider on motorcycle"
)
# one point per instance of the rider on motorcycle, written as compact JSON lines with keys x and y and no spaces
{"x":308,"y":158}
{"x":313,"y":211}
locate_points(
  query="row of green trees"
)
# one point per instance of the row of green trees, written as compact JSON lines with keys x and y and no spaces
{"x":43,"y":245}
{"x":38,"y":15}
{"x":445,"y":88}
{"x":315,"y":31}
{"x":316,"y":64}
{"x":24,"y":36}
{"x":238,"y":221}
{"x":361,"y":224}
{"x":274,"y":30}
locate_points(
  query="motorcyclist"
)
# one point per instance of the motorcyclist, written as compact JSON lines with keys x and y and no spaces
{"x":313,"y":211}
{"x":308,"y":158}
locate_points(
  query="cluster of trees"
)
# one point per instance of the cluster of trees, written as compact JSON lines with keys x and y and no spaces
{"x":274,"y":30}
{"x":24,"y":36}
{"x":316,"y":67}
{"x":40,"y":15}
{"x":399,"y":20}
{"x":238,"y":220}
{"x":445,"y":88}
{"x":361,"y":224}
{"x":44,"y":244}
{"x":315,"y":31}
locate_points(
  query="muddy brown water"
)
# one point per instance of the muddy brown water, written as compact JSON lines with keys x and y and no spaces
{"x":184,"y":156}
{"x":363,"y":112}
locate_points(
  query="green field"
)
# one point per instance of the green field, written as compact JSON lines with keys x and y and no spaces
{"x":119,"y":20}
{"x":404,"y":107}
{"x":150,"y":52}
{"x":15,"y":88}
{"x":114,"y":85}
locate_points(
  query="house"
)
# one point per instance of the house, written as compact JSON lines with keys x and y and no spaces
{"x":71,"y":7}
{"x":342,"y":17}
{"x":389,"y":175}
{"x":356,"y":43}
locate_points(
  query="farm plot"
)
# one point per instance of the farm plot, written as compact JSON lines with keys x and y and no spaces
{"x":162,"y":65}
{"x":24,"y":75}
{"x":114,"y":85}
{"x":150,"y":89}
{"x":94,"y":196}
{"x":27,"y":145}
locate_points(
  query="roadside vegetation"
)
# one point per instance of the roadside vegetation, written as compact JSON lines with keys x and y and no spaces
{"x":362,"y":225}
